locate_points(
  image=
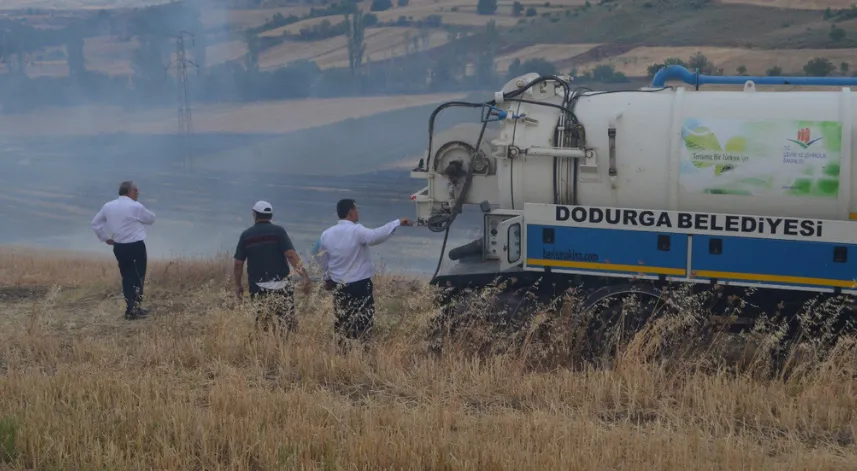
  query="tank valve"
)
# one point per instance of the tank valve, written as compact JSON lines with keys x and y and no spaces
{"x":492,"y":114}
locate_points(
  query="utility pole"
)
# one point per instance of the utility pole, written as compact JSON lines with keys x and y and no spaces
{"x":185,"y":119}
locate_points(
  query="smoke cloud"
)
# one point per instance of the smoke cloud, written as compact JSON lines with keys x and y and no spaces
{"x":68,"y":139}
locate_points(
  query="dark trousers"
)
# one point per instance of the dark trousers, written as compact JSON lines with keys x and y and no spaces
{"x":132,"y":266}
{"x":354,"y":307}
{"x":281,"y":303}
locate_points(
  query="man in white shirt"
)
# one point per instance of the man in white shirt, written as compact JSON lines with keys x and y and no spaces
{"x":347,"y":268}
{"x":120,"y":224}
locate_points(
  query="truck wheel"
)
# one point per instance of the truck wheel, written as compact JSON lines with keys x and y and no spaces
{"x":614,"y":315}
{"x":473,"y":313}
{"x":815,"y":333}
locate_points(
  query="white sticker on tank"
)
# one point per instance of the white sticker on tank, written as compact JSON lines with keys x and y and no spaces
{"x":761,"y":158}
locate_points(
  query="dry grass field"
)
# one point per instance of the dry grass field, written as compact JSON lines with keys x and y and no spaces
{"x":77,"y":4}
{"x":452,"y":12}
{"x":269,"y":117}
{"x":636,"y":61}
{"x":112,"y":56}
{"x":243,"y":19}
{"x":381,"y":43}
{"x":107,"y":55}
{"x":224,"y":51}
{"x":800,"y":4}
{"x":256,"y":17}
{"x":195,"y":387}
{"x":555,"y":53}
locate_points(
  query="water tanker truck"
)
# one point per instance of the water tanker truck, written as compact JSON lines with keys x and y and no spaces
{"x":616,"y":193}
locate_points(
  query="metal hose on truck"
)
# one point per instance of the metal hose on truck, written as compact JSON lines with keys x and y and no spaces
{"x":442,"y":223}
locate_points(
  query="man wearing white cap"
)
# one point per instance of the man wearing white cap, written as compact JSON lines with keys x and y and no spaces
{"x":268,"y":251}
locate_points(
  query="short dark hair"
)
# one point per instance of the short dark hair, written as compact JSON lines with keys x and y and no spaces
{"x":125,"y":187}
{"x":343,"y":206}
{"x":264,"y":216}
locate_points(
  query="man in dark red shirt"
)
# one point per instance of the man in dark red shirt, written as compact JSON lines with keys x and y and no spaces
{"x":268,"y":251}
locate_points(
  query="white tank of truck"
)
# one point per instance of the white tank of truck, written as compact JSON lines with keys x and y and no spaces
{"x":784,"y":153}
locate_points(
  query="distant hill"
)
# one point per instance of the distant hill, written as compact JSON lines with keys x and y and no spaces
{"x":78,"y":4}
{"x":411,"y":44}
{"x":627,"y":34}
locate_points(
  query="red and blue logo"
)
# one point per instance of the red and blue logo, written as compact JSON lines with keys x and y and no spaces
{"x":804,"y":138}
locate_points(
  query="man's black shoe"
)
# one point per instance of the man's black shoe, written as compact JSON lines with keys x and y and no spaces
{"x":137,"y":314}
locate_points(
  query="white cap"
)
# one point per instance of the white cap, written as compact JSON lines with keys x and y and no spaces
{"x":263,"y":207}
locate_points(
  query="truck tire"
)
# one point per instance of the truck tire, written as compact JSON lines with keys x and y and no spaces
{"x":481,"y":321}
{"x":615,"y":314}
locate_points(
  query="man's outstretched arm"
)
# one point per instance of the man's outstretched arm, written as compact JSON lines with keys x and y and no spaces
{"x":381,"y":234}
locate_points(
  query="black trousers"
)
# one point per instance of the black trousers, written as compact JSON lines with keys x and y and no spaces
{"x":132,"y":260}
{"x":281,"y":303}
{"x":354,"y":307}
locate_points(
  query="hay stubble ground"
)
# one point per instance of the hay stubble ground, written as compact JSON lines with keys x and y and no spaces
{"x":192,"y":388}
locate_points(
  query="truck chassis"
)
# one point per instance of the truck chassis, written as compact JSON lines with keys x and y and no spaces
{"x":746,"y":266}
